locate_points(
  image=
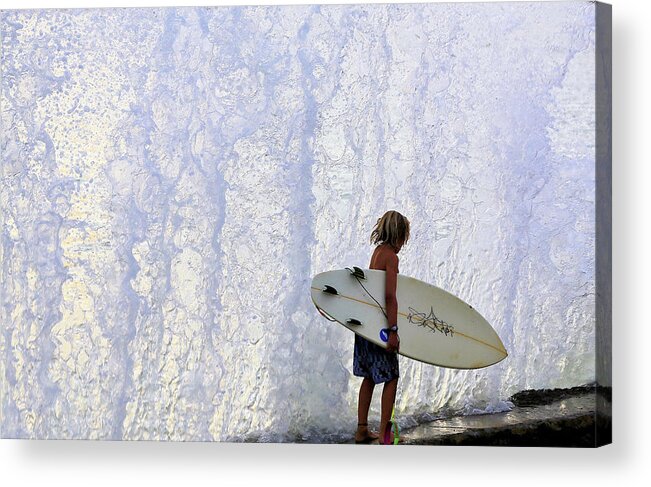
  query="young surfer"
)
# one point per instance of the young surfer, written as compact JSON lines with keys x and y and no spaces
{"x":370,"y":361}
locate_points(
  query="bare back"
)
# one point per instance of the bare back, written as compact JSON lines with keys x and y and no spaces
{"x":380,"y":256}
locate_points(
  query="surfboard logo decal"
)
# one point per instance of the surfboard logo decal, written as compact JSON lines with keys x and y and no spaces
{"x":430,"y":321}
{"x":384,"y":335}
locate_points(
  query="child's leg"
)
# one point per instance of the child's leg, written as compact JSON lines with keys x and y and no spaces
{"x":365,"y":396}
{"x":363,"y":405}
{"x":388,"y":399}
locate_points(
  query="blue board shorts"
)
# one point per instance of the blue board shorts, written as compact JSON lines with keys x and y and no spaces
{"x":374,"y":362}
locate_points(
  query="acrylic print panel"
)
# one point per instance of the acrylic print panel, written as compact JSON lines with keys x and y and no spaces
{"x":173,"y":178}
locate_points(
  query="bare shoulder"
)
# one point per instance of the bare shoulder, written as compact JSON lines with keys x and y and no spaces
{"x":383,"y":258}
{"x":391,"y":259}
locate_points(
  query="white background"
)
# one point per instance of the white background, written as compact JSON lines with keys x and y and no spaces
{"x":627,"y":461}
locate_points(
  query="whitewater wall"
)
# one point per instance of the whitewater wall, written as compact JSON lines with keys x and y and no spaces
{"x":173,"y":177}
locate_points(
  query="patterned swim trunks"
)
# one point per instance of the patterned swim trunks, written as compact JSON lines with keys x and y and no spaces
{"x":372,"y":361}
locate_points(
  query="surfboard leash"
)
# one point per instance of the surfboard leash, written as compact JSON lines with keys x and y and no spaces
{"x":367,"y":292}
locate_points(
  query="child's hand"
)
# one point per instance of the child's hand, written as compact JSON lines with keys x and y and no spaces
{"x":393,"y":345}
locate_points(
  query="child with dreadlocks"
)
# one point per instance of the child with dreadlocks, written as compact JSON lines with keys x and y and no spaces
{"x":370,"y":361}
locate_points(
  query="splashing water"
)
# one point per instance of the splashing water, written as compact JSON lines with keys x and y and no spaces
{"x":174,"y":177}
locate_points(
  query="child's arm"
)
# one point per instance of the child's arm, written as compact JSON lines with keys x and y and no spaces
{"x":391,"y":301}
{"x":390,"y":289}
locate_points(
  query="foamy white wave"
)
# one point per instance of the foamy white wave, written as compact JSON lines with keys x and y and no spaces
{"x":174,"y":177}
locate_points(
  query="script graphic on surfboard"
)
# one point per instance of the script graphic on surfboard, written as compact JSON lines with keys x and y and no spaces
{"x":435,"y":326}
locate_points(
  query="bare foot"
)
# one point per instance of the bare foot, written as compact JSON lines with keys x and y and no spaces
{"x":390,"y":439}
{"x":363,"y":435}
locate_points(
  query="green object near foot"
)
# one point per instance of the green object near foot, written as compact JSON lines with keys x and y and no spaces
{"x":395,"y":427}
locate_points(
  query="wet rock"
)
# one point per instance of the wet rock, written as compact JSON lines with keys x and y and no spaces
{"x":556,"y":418}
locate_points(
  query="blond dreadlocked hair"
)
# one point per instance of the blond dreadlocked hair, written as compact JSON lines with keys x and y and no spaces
{"x":392,"y":228}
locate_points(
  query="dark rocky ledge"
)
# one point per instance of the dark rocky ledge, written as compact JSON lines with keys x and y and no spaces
{"x":548,"y":417}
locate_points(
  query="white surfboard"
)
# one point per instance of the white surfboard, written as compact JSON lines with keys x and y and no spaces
{"x":434,"y":326}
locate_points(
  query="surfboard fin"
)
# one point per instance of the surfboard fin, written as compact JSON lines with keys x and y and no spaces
{"x":330,"y":290}
{"x":357,"y":272}
{"x":353,"y":321}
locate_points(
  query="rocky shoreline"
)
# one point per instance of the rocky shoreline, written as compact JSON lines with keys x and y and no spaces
{"x":576,"y":417}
